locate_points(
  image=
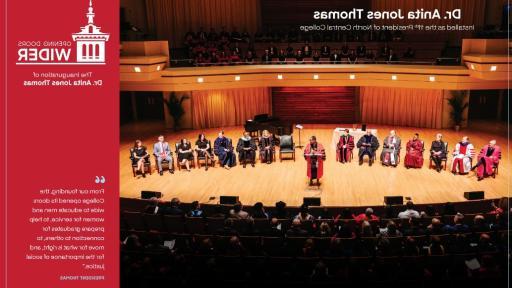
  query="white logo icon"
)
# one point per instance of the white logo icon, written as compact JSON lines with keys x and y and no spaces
{"x":90,"y":41}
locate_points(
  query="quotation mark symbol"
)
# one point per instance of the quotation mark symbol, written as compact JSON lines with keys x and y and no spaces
{"x":99,"y":179}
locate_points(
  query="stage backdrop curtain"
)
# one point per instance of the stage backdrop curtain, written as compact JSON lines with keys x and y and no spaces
{"x":228,"y":107}
{"x":402,"y":106}
{"x":473,"y":11}
{"x":171,"y":19}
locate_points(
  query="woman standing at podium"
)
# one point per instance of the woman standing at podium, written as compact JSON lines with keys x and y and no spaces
{"x":314,"y":153}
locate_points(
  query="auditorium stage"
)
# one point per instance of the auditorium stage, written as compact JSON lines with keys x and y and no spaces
{"x":342,"y":184}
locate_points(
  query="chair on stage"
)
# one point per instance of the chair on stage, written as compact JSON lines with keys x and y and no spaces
{"x":444,"y":159}
{"x":495,"y":167}
{"x":286,"y":146}
{"x":178,"y":163}
{"x":147,"y":164}
{"x":204,"y":159}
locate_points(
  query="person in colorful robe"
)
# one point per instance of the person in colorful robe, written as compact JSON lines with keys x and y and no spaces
{"x":246,"y":148}
{"x":391,"y":149}
{"x":223,"y":148}
{"x":462,"y":156}
{"x":368,"y":145}
{"x":438,"y":151}
{"x":488,"y":158}
{"x":414,"y":153}
{"x":266,"y":145}
{"x":314,"y":153}
{"x":345,"y":147}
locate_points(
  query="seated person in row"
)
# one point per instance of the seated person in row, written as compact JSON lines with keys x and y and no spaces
{"x":345,"y":146}
{"x":139,"y":156}
{"x":266,"y":145}
{"x":223,"y":148}
{"x":162,"y":152}
{"x":391,"y":149}
{"x":246,"y":148}
{"x":438,"y":151}
{"x":488,"y":158}
{"x":185,"y":155}
{"x":462,"y":156}
{"x":325,"y":51}
{"x":306,"y":49}
{"x":368,"y":145}
{"x":335,"y":57}
{"x":203,"y":149}
{"x":414,"y":153}
{"x":266,"y":58}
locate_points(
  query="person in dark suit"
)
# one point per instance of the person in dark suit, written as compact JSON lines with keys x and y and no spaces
{"x":325,"y":51}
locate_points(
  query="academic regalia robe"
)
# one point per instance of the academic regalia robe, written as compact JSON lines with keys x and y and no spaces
{"x":414,"y":154}
{"x":369,"y":150}
{"x":487,"y":159}
{"x":390,"y":150}
{"x":315,"y":168}
{"x":462,"y":156}
{"x":266,"y":154}
{"x":225,"y":157}
{"x":244,"y":155}
{"x":344,"y":154}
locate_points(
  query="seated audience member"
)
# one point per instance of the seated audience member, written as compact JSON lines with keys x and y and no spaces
{"x":238,"y":212}
{"x":246,"y":148}
{"x":139,"y":156}
{"x":153,"y":206}
{"x":266,"y":145}
{"x":266,"y":58}
{"x":325,"y":51}
{"x":203,"y":149}
{"x":162,"y":152}
{"x":391,"y":230}
{"x":411,"y":247}
{"x":488,"y":158}
{"x":309,"y":250}
{"x":325,"y":214}
{"x":281,"y":56}
{"x":435,"y":227}
{"x":280,"y":210}
{"x":223,"y":148}
{"x":296,"y":229}
{"x":228,"y":229}
{"x":435,"y":248}
{"x":206,"y":247}
{"x":299,"y":58}
{"x":258,"y":211}
{"x":361,"y":50}
{"x":489,"y":270}
{"x":502,"y":207}
{"x":414,"y":152}
{"x":316,"y":56}
{"x":409,"y":211}
{"x":366,"y":229}
{"x":335,"y":57}
{"x":430,"y":211}
{"x":195,"y":210}
{"x":485,"y":244}
{"x":479,"y":224}
{"x":366,"y":216}
{"x":185,"y":154}
{"x":410,"y":53}
{"x":367,"y":145}
{"x":458,"y":225}
{"x":272,"y":50}
{"x":438,"y":151}
{"x":306,"y":49}
{"x":173,"y":209}
{"x":324,"y":230}
{"x":414,"y":228}
{"x":235,"y":247}
{"x":275,"y":228}
{"x":462,"y":156}
{"x":391,"y":149}
{"x":352,"y":57}
{"x":345,"y":146}
{"x":289,"y":51}
{"x":304,"y":214}
{"x":249,"y":57}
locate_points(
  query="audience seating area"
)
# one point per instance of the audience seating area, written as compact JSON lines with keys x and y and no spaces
{"x":331,"y":245}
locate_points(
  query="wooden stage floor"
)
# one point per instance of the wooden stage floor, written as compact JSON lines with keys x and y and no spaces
{"x":342,"y":184}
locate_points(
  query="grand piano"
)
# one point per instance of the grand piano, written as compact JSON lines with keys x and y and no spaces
{"x":262,"y":122}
